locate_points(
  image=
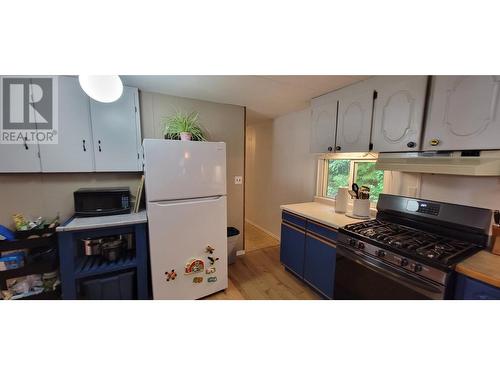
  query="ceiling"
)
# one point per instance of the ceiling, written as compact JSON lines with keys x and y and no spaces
{"x":264,"y":96}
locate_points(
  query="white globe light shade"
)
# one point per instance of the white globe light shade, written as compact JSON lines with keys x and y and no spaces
{"x":105,"y":89}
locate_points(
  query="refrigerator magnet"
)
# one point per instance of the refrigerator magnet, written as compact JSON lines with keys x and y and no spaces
{"x":197,"y":280}
{"x":212,"y":260}
{"x":210,"y":270}
{"x":212,"y":279}
{"x":209,"y":249}
{"x":194,"y":266}
{"x":170,"y":275}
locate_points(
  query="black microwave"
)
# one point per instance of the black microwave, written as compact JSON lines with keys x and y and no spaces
{"x":102,"y":201}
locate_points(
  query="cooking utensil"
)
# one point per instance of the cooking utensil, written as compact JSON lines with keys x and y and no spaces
{"x":355,"y":188}
{"x":352,"y":194}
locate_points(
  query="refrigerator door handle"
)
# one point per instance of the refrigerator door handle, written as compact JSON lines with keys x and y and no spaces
{"x":190,"y":200}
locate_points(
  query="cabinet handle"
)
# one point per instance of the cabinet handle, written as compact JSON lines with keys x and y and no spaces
{"x":330,"y":149}
{"x":84,"y":148}
{"x":25,"y":144}
{"x":338,"y":148}
{"x":99,"y":141}
{"x":411,"y":144}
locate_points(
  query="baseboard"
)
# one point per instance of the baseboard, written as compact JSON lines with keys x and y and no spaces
{"x":262,"y":229}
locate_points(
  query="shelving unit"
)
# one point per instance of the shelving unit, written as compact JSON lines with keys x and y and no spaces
{"x":46,"y":265}
{"x":76,"y":267}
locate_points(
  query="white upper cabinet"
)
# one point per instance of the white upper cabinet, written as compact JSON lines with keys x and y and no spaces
{"x":354,"y":117}
{"x":323,"y":123}
{"x":398,"y":113}
{"x":74,"y":151}
{"x":19,"y":158}
{"x":464,"y":113}
{"x":116,"y":133}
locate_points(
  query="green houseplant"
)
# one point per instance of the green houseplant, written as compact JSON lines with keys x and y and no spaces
{"x":183,"y":126}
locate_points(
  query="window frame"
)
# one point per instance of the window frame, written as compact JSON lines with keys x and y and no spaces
{"x":322,"y":182}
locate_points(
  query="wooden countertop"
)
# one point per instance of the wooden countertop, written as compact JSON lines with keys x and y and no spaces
{"x":83,"y":223}
{"x":319,"y":212}
{"x":483,"y":266}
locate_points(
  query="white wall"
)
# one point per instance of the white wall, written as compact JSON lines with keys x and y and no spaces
{"x":280,"y":169}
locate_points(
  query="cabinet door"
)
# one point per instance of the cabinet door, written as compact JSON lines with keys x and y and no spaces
{"x":319,"y":264}
{"x":116,"y":133}
{"x":23,"y":157}
{"x":74,"y":152}
{"x":464,"y":113}
{"x":398,"y":113}
{"x":292,"y":248}
{"x":355,"y":118}
{"x":323,"y":124}
{"x":19,"y":158}
{"x":470,"y":289}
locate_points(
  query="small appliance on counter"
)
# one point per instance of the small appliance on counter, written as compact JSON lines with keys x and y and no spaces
{"x":102,"y":201}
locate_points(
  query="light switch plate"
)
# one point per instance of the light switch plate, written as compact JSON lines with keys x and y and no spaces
{"x":238,"y":180}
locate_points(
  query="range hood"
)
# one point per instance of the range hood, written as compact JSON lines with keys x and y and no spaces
{"x":465,"y":163}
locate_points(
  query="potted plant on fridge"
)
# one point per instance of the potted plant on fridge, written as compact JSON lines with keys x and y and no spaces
{"x":183,"y":126}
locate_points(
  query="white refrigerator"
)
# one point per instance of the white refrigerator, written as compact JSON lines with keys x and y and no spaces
{"x":185,"y":186}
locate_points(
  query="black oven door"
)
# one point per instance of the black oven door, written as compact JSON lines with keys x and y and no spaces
{"x":360,"y":276}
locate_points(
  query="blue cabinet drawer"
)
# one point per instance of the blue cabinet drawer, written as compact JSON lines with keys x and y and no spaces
{"x":471,"y":289}
{"x":319,"y":264}
{"x":292,"y":248}
{"x":322,"y":230}
{"x":294,"y":219}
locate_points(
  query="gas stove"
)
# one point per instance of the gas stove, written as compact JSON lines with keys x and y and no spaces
{"x":417,"y":241}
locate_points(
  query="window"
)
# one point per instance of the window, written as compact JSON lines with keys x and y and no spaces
{"x":343,"y":172}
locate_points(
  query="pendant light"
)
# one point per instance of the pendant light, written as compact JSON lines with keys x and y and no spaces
{"x":105,"y":89}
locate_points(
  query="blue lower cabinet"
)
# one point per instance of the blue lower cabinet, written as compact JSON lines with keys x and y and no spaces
{"x":471,"y":289}
{"x":292,"y":248}
{"x":319,"y":265}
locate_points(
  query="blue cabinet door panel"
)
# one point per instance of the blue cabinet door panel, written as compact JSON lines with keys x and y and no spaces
{"x":470,"y":289}
{"x":294,"y":219}
{"x":319,"y":265}
{"x":322,"y":230}
{"x":292,"y":248}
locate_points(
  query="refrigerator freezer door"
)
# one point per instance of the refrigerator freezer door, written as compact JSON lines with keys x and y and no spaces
{"x":184,"y":169}
{"x":179,"y":234}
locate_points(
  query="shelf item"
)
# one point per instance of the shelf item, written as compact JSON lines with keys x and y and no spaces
{"x":97,"y":265}
{"x":28,"y":243}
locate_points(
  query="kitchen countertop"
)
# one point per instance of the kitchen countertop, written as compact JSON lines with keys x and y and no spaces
{"x":83,"y":223}
{"x":483,"y":266}
{"x":322,"y":213}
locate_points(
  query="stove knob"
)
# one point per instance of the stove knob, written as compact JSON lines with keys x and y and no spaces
{"x":404,"y":262}
{"x":352,"y":242}
{"x":381,"y":253}
{"x":361,"y":245}
{"x":417,"y":267}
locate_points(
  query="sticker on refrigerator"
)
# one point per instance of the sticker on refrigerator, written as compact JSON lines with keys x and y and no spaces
{"x":210,"y":270}
{"x":194,"y":266}
{"x":197,"y":280}
{"x":212,"y":279}
{"x":212,"y":260}
{"x":170,"y":275}
{"x":209,"y":249}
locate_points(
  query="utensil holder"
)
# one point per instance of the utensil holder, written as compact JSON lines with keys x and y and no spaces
{"x":361,"y":207}
{"x":495,"y":234}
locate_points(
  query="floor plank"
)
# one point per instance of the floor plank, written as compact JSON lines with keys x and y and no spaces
{"x":258,"y":275}
{"x":256,"y":239}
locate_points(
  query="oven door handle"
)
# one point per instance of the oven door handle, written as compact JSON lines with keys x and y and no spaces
{"x":427,"y":288}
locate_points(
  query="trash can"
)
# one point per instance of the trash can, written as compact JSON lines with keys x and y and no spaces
{"x":233,"y":235}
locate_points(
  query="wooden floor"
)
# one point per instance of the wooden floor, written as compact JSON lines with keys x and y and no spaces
{"x":257,"y":239}
{"x":259,"y":275}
